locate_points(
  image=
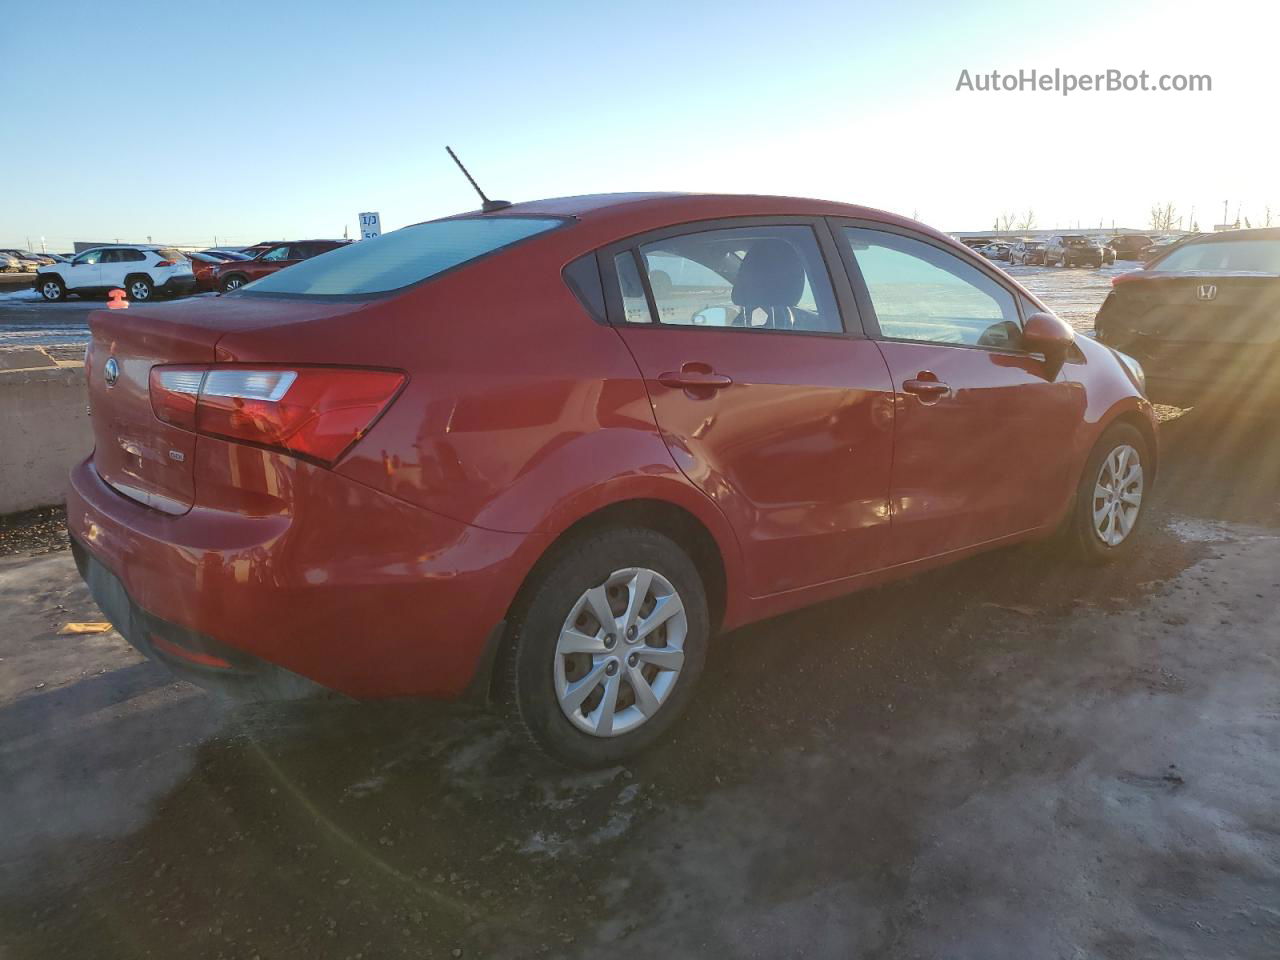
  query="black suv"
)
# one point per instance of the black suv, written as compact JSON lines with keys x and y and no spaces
{"x":1129,"y":246}
{"x":1073,"y":250}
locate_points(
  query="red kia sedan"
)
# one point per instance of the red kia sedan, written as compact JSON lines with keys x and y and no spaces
{"x":545,"y":453}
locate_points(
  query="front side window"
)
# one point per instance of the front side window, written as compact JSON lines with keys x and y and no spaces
{"x":91,"y":256}
{"x":762,"y":278}
{"x":403,"y":257}
{"x":1248,"y":256}
{"x":276,"y":254}
{"x":921,"y":292}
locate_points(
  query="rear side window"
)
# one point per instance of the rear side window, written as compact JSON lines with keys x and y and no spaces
{"x":402,"y":257}
{"x":764,"y":277}
{"x":1250,"y":256}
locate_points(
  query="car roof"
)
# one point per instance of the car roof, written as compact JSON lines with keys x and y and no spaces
{"x":1256,"y":233}
{"x":625,"y":214}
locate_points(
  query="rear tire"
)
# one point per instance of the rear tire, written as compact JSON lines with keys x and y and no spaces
{"x":574,"y":678}
{"x":53,"y":289}
{"x":234,"y":282}
{"x":1101,"y":526}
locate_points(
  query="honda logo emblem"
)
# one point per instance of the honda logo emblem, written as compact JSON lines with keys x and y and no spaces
{"x":1206,"y":291}
{"x":111,"y":371}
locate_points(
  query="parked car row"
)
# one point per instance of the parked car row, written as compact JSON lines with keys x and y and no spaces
{"x":13,"y":260}
{"x":1075,"y":249}
{"x":144,"y":271}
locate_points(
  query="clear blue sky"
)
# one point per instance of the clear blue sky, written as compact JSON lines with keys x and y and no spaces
{"x":247,"y":121}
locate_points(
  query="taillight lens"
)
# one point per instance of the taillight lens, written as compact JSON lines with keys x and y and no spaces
{"x":1126,"y":277}
{"x":314,"y":412}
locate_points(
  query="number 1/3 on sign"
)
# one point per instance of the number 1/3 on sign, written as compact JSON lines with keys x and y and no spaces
{"x":370,"y":226}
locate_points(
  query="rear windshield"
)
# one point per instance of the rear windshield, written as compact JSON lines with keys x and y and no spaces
{"x":402,"y":257}
{"x":1251,"y":256}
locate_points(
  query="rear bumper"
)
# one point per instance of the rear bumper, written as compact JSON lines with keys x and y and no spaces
{"x":351,"y":589}
{"x":188,"y":654}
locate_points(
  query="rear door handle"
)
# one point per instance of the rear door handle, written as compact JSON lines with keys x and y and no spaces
{"x":688,"y":379}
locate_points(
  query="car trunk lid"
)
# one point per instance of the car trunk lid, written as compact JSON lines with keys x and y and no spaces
{"x":1194,"y":325}
{"x":139,"y":455}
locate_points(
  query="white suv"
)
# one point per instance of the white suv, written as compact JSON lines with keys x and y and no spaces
{"x":140,"y":271}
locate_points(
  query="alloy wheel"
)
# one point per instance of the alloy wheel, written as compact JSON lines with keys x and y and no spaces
{"x":140,"y":290}
{"x":1117,"y":495}
{"x":620,"y":652}
{"x":50,"y":290}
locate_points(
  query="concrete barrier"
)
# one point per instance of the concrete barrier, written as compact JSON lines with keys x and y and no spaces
{"x":44,"y":431}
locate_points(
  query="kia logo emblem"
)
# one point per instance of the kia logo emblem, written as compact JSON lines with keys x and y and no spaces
{"x":1206,"y":291}
{"x":111,"y":372}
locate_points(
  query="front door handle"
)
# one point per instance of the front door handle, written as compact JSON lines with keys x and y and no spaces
{"x":927,"y":387}
{"x":695,"y":377}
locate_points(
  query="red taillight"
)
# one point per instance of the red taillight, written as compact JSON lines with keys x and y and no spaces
{"x":1122,"y":277}
{"x":315,"y":412}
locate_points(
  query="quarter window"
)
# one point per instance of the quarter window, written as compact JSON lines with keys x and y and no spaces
{"x":921,"y":292}
{"x":763,"y":278}
{"x":635,"y":308}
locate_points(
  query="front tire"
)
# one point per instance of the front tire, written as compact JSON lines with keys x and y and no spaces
{"x":139,"y":289}
{"x":233,"y":282}
{"x":1111,"y":499}
{"x":53,"y":289}
{"x":607,"y":650}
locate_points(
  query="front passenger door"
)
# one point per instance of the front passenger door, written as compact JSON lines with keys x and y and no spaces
{"x":984,"y":431}
{"x":85,"y":271}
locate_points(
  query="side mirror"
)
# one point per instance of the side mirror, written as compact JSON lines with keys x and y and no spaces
{"x":712,"y":317}
{"x":1050,"y":335}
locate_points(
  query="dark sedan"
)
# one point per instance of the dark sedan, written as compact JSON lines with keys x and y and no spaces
{"x":1028,"y":252}
{"x":1073,"y":250}
{"x":1203,"y":319}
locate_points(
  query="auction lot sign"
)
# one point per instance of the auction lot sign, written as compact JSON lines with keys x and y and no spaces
{"x":370,"y":226}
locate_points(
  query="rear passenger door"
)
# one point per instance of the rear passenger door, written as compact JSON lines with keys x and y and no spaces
{"x":769,"y":396}
{"x":984,"y":430}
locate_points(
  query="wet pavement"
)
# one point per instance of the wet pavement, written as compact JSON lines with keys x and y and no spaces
{"x":1013,"y":757}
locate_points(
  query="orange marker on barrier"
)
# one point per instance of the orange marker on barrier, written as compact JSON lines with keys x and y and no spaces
{"x":116,"y":300}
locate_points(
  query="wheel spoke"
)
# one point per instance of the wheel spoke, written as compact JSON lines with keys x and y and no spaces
{"x":1100,"y":492}
{"x":575,"y":641}
{"x":666,"y":608}
{"x":639,"y":590}
{"x":666,"y":658}
{"x":602,"y":716}
{"x":580,"y":690}
{"x":1133,"y":498}
{"x":646,"y":699}
{"x":598,"y":601}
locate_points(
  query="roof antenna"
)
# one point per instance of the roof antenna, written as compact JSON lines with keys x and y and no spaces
{"x":488,"y":206}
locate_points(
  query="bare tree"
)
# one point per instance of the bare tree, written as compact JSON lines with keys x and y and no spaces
{"x":1028,"y":221}
{"x":1164,"y":217}
{"x":1005,"y":222}
{"x":1266,"y":216}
